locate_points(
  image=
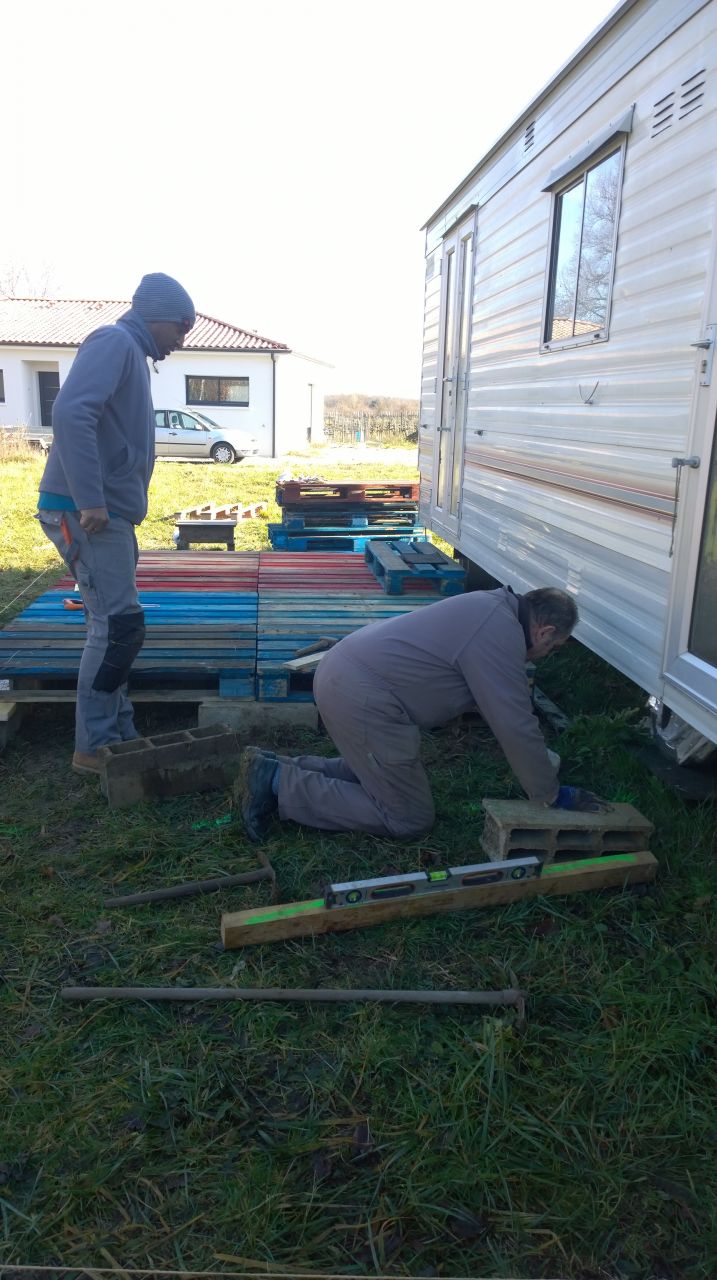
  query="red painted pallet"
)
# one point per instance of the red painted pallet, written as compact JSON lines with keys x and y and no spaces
{"x":199,"y":571}
{"x":315,"y":571}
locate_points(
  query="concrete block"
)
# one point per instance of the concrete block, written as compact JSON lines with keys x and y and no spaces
{"x":248,"y":717}
{"x":170,"y":764}
{"x":513,"y":827}
{"x":10,"y":721}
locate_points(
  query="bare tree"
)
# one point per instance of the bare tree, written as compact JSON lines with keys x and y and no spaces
{"x":16,"y":281}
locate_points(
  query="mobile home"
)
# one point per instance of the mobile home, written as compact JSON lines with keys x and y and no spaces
{"x":568,"y":395}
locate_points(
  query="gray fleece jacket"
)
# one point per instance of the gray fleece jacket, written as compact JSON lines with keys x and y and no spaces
{"x":102,"y":452}
{"x":449,"y":657}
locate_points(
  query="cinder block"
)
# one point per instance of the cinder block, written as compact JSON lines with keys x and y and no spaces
{"x":513,"y":827}
{"x":249,"y":716}
{"x":10,"y":721}
{"x":170,"y":764}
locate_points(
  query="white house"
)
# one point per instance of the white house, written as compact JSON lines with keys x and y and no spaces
{"x":568,"y":396}
{"x":238,"y":378}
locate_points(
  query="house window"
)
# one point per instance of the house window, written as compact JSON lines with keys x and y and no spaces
{"x":585,"y":215}
{"x":224,"y":391}
{"x":2,"y":387}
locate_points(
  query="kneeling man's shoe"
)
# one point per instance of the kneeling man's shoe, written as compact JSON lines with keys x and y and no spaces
{"x":257,"y":799}
{"x":84,"y":763}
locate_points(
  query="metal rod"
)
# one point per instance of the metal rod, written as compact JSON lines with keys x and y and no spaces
{"x":193,"y":886}
{"x":329,"y":995}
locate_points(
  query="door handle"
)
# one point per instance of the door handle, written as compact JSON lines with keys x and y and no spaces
{"x":706,"y":344}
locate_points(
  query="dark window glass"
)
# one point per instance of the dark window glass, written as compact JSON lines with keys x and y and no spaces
{"x":583,"y":252}
{"x":229,"y":391}
{"x":2,"y":387}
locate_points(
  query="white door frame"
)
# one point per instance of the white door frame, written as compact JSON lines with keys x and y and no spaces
{"x":453,"y":383}
{"x":690,"y":682}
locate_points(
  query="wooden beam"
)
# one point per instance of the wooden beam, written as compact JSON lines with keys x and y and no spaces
{"x":302,"y":919}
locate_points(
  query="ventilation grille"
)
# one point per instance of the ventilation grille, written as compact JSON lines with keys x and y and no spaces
{"x":678,"y":103}
{"x":529,"y":138}
{"x":692,"y":95}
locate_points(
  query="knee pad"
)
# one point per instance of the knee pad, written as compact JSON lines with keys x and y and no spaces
{"x":125,"y":637}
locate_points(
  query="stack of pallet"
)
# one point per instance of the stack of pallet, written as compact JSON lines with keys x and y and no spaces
{"x":320,"y":515}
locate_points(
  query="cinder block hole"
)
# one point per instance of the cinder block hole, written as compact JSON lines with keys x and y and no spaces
{"x":621,"y":840}
{"x":520,"y":835}
{"x":166,"y":739}
{"x":126,"y":748}
{"x":575,"y":839}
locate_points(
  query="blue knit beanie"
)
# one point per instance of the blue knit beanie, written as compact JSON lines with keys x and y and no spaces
{"x":159,"y":297}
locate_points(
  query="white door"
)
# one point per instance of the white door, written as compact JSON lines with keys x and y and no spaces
{"x":454,"y":377}
{"x":691,"y":653}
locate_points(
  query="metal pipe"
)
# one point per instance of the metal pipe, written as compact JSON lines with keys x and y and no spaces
{"x":327,"y":995}
{"x":192,"y":887}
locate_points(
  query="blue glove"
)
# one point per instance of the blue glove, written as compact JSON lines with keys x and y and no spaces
{"x":579,"y":800}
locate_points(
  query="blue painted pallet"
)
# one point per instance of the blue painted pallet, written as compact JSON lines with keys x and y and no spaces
{"x":211,"y":636}
{"x":289,"y":621}
{"x":162,"y":608}
{"x":385,"y":559}
{"x":335,"y":539}
{"x":391,"y":518}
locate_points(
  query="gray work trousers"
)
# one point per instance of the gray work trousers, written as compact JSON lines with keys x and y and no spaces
{"x":378,"y":783}
{"x":104,"y":565}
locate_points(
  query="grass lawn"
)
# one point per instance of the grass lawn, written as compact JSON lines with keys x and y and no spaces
{"x":351,"y":1139}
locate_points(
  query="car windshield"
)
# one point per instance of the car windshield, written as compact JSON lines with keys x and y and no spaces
{"x":202,"y":417}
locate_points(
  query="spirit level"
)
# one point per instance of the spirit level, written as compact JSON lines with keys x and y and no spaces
{"x":350,"y":893}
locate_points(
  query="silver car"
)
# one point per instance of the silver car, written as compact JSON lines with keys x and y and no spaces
{"x":184,"y":433}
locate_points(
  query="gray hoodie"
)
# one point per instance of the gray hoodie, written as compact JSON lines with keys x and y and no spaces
{"x":102,"y":452}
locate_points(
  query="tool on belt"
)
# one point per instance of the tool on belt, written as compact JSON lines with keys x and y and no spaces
{"x":350,"y":893}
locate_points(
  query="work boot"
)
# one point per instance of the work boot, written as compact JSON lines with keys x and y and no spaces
{"x":84,"y":763}
{"x":253,"y":791}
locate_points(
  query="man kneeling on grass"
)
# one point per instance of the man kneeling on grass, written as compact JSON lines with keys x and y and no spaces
{"x":381,"y":685}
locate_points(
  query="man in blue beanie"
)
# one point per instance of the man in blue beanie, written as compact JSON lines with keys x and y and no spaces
{"x":94,"y":491}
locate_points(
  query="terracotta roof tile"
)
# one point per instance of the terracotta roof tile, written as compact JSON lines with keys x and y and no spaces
{"x":56,"y":322}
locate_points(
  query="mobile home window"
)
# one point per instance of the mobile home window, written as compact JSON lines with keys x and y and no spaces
{"x":2,"y":387}
{"x":585,"y":215}
{"x":218,"y":391}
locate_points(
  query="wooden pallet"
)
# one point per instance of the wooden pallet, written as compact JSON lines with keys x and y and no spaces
{"x":398,"y":565}
{"x":336,"y":539}
{"x":315,"y":494}
{"x":193,"y":571}
{"x":227,"y":511}
{"x":190,"y":636}
{"x":315,"y":571}
{"x":395,"y":516}
{"x":289,"y":621}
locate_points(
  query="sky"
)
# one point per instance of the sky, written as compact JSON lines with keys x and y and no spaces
{"x":278,"y":157}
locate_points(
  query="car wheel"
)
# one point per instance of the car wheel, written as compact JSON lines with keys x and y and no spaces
{"x":223,"y":452}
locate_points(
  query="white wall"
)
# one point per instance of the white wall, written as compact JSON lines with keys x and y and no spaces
{"x":299,"y":402}
{"x":20,"y":366}
{"x":169,"y":389}
{"x":299,"y":391}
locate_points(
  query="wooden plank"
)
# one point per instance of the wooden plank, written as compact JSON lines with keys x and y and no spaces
{"x":136,"y":695}
{"x":306,"y":919}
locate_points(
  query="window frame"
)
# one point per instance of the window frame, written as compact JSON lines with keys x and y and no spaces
{"x":616,"y":145}
{"x":218,"y":378}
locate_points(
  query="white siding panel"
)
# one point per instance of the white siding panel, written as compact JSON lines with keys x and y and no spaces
{"x":557,"y":490}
